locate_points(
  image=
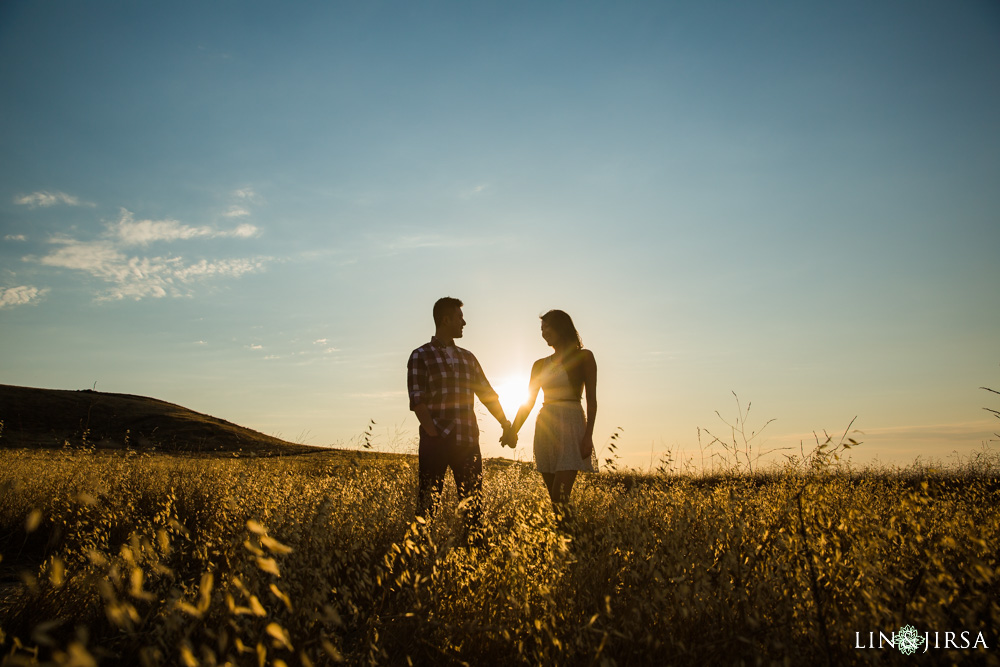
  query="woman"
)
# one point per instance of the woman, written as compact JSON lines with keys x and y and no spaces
{"x":564,"y":437}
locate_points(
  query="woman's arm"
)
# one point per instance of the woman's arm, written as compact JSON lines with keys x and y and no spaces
{"x":534,"y":384}
{"x":590,"y":387}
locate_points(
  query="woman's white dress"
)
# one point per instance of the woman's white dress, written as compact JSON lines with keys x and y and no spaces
{"x":560,"y":425}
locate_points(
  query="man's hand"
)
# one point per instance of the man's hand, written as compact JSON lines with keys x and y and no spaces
{"x":509,"y":437}
{"x":426,"y":421}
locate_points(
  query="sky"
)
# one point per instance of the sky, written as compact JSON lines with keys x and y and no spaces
{"x":249,"y":209}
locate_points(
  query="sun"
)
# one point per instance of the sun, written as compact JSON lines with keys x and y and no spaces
{"x":513,"y":391}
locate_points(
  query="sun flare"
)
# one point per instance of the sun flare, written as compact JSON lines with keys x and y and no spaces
{"x":513,"y":390}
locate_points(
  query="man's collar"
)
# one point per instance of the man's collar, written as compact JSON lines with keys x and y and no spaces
{"x":440,"y":343}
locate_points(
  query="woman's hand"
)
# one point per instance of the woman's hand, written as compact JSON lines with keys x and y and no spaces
{"x":586,"y":446}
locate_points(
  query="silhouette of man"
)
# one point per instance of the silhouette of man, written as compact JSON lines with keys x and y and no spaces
{"x":443,"y":381}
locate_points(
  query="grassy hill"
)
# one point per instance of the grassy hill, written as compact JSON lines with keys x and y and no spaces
{"x":51,"y":417}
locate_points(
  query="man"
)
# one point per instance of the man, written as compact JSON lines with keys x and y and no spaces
{"x":443,"y":381}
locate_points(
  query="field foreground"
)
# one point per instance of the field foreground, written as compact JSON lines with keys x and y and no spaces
{"x":116,"y":559}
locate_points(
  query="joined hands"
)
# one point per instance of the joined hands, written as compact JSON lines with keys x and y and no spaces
{"x":509,"y":437}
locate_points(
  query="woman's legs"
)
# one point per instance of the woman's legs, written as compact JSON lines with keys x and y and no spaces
{"x":560,"y":486}
{"x":549,"y":478}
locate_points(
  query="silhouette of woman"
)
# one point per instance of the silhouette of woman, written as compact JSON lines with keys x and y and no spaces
{"x":564,"y":436}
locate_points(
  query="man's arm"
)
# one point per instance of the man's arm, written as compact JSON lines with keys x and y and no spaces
{"x":425,"y":419}
{"x":416,"y":385}
{"x":492,"y":404}
{"x":489,"y":397}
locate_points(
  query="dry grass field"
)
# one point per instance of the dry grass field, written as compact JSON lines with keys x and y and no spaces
{"x":119,"y":558}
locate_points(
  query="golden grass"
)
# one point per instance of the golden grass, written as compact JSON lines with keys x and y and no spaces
{"x":163,"y":560}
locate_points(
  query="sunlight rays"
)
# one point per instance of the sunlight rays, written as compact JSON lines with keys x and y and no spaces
{"x":513,"y":390}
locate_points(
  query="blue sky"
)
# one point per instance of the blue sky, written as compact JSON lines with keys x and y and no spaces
{"x":249,"y":208}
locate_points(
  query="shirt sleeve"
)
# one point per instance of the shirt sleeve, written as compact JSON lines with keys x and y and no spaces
{"x":416,"y":379}
{"x":482,"y":386}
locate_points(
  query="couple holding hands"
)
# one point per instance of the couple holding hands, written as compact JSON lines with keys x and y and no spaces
{"x":443,"y":381}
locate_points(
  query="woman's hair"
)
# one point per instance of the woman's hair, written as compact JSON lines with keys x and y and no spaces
{"x":562,"y":324}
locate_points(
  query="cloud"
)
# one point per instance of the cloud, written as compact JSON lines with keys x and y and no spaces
{"x":131,"y":277}
{"x":229,"y":268}
{"x":110,"y":258}
{"x":99,"y":258}
{"x":144,"y":232}
{"x":45,"y":199}
{"x":474,"y":191}
{"x":243,"y":199}
{"x":18,"y":296}
{"x":15,"y":237}
{"x":244,"y":231}
{"x":327,"y":349}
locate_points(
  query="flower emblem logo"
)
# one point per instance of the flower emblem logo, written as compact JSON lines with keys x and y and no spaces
{"x":908,"y":639}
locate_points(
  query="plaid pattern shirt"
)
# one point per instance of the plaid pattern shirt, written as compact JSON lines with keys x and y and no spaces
{"x":447,"y":379}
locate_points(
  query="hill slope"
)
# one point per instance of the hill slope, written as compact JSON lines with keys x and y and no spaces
{"x":50,"y":417}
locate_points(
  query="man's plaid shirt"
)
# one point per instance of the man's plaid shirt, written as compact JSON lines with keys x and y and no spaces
{"x":447,"y":379}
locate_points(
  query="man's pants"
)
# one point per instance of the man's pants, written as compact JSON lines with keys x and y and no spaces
{"x":435,"y":456}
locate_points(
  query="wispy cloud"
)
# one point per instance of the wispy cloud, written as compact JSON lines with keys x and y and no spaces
{"x":44,"y":198}
{"x":144,"y":232}
{"x":15,"y":237}
{"x":474,"y":191}
{"x":243,"y":198}
{"x":212,"y":53}
{"x":244,"y":231}
{"x":230,"y":268}
{"x":111,"y":258}
{"x":327,"y":349}
{"x":18,"y":296}
{"x":248,"y":194}
{"x":99,"y":258}
{"x":236,"y":212}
